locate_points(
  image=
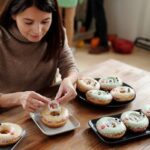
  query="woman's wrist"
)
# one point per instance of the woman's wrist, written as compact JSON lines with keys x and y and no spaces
{"x":10,"y":99}
{"x":73,"y":77}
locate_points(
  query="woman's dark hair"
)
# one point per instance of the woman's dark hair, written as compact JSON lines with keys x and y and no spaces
{"x":55,"y":35}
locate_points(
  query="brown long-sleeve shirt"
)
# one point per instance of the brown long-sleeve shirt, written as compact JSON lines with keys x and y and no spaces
{"x":21,"y":67}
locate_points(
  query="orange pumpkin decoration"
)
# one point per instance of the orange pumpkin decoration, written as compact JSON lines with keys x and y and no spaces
{"x":95,"y":42}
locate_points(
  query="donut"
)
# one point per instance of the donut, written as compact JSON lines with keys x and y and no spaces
{"x":54,"y":117}
{"x":123,"y":93}
{"x":87,"y":84}
{"x":99,"y":97}
{"x":10,"y":133}
{"x":109,"y":83}
{"x":135,"y":121}
{"x":146,"y":110}
{"x":111,"y":127}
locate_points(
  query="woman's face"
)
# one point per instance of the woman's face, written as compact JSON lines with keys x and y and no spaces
{"x":33,"y":23}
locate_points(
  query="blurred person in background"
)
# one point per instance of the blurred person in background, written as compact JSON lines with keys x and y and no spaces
{"x":67,"y":10}
{"x":99,"y":43}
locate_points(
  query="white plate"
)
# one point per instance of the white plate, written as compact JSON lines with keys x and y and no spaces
{"x":13,"y":146}
{"x":71,"y":124}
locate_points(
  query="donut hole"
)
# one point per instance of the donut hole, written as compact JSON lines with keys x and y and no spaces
{"x":4,"y":131}
{"x":113,"y":125}
{"x":54,"y":113}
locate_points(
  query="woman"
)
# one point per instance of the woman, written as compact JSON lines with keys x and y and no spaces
{"x":33,"y":45}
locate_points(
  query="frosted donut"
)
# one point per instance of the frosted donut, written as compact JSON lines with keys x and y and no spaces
{"x":87,"y":84}
{"x":54,"y":119}
{"x":98,"y":97}
{"x":146,"y":110}
{"x":10,"y":133}
{"x":109,"y":83}
{"x":135,"y":121}
{"x":111,"y":127}
{"x":123,"y":93}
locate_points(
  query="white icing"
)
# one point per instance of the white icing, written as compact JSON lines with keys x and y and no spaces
{"x":99,"y":95}
{"x":13,"y":133}
{"x":135,"y":120}
{"x":47,"y":115}
{"x":109,"y":83}
{"x":110,"y":126}
{"x":123,"y":93}
{"x":87,"y":84}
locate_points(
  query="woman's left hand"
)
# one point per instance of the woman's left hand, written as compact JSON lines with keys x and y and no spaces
{"x":67,"y":91}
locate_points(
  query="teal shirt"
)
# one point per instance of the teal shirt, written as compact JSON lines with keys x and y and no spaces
{"x":67,"y":3}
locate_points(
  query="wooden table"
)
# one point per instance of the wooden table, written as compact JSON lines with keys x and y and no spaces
{"x":83,"y":138}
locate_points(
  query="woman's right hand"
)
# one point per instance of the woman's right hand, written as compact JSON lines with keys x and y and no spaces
{"x":32,"y":101}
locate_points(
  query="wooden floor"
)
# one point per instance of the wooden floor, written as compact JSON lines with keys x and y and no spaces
{"x":139,"y":58}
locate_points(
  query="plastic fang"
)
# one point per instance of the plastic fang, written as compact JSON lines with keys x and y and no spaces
{"x":54,"y":106}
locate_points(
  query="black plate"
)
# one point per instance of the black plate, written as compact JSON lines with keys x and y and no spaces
{"x":81,"y":96}
{"x":129,"y":136}
{"x":13,"y":146}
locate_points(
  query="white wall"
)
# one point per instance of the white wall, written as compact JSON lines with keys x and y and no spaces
{"x":144,"y":29}
{"x":128,"y":18}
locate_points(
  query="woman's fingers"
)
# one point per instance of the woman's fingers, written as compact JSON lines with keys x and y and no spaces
{"x":32,"y":101}
{"x":36,"y":104}
{"x":59,"y":93}
{"x":31,"y":109}
{"x":67,"y":97}
{"x":40,"y":97}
